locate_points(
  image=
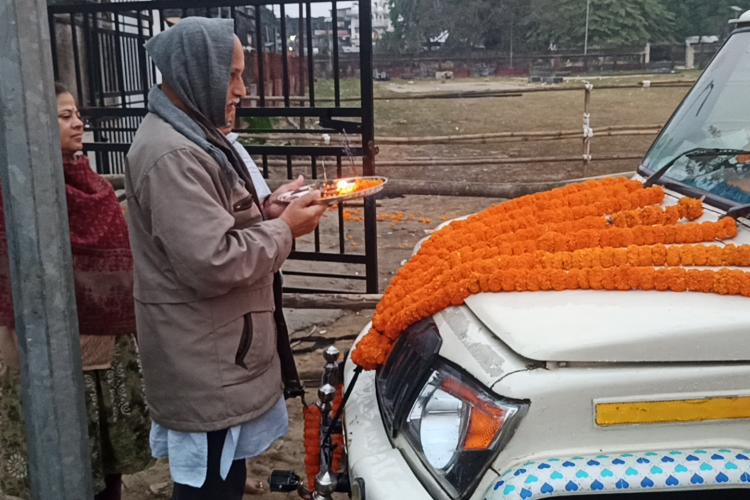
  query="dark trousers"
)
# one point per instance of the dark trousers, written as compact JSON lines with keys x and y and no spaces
{"x":215,"y":488}
{"x":113,"y":488}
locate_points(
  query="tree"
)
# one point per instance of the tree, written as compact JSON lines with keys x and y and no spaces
{"x":468,"y":23}
{"x":698,"y":17}
{"x":613,"y":23}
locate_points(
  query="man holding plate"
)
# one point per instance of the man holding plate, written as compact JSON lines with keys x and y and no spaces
{"x":206,"y":254}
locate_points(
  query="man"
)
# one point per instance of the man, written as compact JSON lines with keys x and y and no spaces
{"x":205,"y":255}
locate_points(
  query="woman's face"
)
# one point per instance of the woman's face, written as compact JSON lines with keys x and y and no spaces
{"x":71,"y":126}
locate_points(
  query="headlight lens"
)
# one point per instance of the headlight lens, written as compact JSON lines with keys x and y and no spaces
{"x":457,"y":427}
{"x":434,"y":411}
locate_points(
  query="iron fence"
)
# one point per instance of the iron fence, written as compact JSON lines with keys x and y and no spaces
{"x":98,"y":50}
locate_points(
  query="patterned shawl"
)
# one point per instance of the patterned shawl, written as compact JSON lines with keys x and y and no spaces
{"x":102,"y":262}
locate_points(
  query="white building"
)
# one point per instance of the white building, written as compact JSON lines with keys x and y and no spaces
{"x":348,"y":24}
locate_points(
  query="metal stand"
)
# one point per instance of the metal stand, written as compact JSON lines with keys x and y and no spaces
{"x":588,"y":131}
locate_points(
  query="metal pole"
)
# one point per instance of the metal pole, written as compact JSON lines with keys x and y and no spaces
{"x":368,"y":140}
{"x":40,"y":258}
{"x":586,"y":39}
{"x":588,"y":131}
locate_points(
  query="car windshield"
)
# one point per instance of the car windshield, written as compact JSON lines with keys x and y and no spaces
{"x":714,"y":116}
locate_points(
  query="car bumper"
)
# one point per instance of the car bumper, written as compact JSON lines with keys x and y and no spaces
{"x":373,"y":462}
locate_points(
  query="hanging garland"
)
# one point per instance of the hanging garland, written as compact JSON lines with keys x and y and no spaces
{"x":312,"y":444}
{"x":313,"y":419}
{"x":600,"y":235}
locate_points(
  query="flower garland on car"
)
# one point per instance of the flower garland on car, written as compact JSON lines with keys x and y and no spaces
{"x":609,"y":234}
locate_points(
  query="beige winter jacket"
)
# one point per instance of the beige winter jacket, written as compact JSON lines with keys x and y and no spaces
{"x":204,"y":263}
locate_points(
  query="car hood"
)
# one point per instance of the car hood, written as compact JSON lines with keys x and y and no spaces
{"x":618,"y":327}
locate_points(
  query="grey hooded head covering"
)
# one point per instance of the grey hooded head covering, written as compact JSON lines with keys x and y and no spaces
{"x":195,"y":59}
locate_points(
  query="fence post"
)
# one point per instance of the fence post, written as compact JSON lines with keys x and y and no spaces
{"x":588,"y":132}
{"x":40,"y":259}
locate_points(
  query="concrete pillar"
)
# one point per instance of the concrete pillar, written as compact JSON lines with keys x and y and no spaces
{"x":40,"y":258}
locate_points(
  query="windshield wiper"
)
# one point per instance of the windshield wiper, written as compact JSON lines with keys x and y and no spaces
{"x":738,"y":211}
{"x":692,"y":153}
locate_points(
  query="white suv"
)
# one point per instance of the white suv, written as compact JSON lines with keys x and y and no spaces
{"x":595,"y":393}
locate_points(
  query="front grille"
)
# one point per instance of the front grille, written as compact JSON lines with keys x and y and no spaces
{"x":406,"y":371}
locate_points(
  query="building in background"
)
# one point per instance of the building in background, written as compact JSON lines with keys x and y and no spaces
{"x":348,"y":24}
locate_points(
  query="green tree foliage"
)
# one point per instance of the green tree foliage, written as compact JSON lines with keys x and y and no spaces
{"x":613,"y":23}
{"x":531,"y":25}
{"x":472,"y":23}
{"x":701,"y":17}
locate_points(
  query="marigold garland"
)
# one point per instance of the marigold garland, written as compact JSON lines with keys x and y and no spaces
{"x":313,"y":418}
{"x":599,"y":235}
{"x":312,"y":444}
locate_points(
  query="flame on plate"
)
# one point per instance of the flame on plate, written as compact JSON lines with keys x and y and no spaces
{"x":344,"y":187}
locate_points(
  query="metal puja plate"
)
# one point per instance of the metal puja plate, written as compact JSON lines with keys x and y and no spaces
{"x":337,"y":190}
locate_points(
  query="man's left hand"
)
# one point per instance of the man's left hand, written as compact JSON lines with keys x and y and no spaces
{"x":271,"y":207}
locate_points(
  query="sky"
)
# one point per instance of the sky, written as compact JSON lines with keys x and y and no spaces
{"x":318,"y":9}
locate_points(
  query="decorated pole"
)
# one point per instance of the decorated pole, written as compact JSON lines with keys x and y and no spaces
{"x":40,"y":258}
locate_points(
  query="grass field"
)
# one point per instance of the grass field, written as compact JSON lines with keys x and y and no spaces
{"x":547,"y":111}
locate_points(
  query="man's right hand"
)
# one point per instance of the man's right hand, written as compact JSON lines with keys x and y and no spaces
{"x":303,"y":214}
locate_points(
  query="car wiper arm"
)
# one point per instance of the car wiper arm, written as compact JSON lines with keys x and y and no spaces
{"x":715,"y":152}
{"x":738,"y":211}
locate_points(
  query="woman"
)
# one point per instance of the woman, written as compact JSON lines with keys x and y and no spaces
{"x":118,"y":420}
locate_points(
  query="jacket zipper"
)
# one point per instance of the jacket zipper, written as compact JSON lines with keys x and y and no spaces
{"x":245,"y":341}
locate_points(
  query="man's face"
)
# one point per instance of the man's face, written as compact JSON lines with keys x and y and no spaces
{"x":236,"y":84}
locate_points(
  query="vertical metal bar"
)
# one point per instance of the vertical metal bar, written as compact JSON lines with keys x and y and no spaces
{"x":40,"y":259}
{"x":314,"y":166}
{"x":151,"y":23}
{"x":368,"y":140}
{"x":142,"y":60}
{"x":342,"y":229}
{"x":336,"y":83}
{"x":76,"y":58}
{"x":265,"y":166}
{"x":89,"y":61}
{"x":97,"y":61}
{"x":289,"y":172}
{"x":261,"y":55}
{"x":310,"y":58}
{"x":284,"y":57}
{"x":118,"y":59}
{"x":300,"y":56}
{"x":53,"y":47}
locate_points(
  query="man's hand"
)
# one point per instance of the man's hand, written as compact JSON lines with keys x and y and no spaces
{"x":272,"y":209}
{"x":303,"y":214}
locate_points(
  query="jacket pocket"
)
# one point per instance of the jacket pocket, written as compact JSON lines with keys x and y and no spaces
{"x":253,"y":350}
{"x":245,"y":342}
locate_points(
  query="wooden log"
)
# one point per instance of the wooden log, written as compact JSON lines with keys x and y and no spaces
{"x":465,"y":162}
{"x":353,"y":302}
{"x":400,"y":187}
{"x":441,"y":139}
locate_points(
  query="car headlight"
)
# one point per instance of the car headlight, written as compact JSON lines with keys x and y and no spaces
{"x":457,"y":427}
{"x":434,"y":411}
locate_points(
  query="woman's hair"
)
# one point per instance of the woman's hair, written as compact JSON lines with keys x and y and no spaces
{"x":60,"y":89}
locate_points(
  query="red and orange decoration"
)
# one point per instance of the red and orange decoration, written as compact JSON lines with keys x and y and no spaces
{"x":609,"y":234}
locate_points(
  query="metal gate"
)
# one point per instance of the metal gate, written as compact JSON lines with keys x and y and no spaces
{"x":301,"y":116}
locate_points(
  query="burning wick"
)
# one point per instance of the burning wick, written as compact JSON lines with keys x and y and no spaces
{"x":345,"y":187}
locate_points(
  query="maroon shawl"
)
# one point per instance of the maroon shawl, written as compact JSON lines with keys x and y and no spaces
{"x":102,"y":262}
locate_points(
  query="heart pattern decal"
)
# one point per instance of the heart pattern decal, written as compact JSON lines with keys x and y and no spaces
{"x":676,"y":470}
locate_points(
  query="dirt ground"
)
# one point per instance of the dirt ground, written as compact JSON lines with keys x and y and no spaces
{"x":406,"y":220}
